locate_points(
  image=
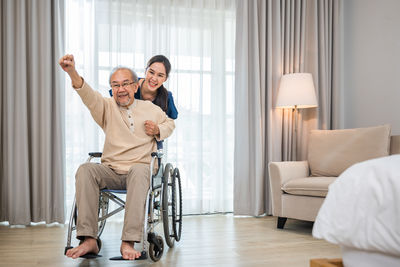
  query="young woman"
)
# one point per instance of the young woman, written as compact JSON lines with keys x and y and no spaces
{"x":152,"y":86}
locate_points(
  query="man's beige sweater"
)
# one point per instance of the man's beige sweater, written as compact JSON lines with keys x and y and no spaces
{"x":122,"y":147}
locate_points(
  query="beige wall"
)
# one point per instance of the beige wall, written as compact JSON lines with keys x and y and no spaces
{"x":371,"y":63}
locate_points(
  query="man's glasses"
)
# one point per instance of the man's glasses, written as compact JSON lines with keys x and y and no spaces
{"x":116,"y":86}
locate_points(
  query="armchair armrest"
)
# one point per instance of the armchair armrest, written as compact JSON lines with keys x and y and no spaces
{"x":280,"y":173}
{"x":286,"y":170}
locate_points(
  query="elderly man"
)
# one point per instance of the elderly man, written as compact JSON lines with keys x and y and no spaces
{"x":131,"y":127}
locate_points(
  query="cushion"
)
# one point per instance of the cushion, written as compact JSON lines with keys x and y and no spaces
{"x":395,"y":144}
{"x":330,"y":152}
{"x":308,"y":186}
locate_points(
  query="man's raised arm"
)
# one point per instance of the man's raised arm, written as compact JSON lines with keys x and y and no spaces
{"x":93,"y":100}
{"x":67,"y":63}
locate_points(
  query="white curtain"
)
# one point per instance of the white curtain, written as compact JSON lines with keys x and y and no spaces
{"x":198,"y":37}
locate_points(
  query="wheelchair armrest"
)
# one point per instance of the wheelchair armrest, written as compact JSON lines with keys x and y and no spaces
{"x":159,"y":154}
{"x":95,"y":154}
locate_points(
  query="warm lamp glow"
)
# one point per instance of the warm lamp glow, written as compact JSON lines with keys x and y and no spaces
{"x":296,"y":90}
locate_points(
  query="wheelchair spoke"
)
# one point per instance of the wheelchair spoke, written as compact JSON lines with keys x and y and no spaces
{"x":103,"y":213}
{"x":177,"y":204}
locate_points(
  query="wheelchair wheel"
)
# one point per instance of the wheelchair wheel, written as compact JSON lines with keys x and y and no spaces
{"x":103,"y":210}
{"x":177,"y":204}
{"x":168,"y":220}
{"x":156,"y":250}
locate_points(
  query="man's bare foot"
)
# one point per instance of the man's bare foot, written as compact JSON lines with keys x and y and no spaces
{"x":128,"y":252}
{"x":89,"y":245}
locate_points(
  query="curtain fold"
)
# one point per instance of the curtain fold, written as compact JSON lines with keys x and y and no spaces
{"x":32,"y":144}
{"x":300,"y":36}
{"x":249,"y":152}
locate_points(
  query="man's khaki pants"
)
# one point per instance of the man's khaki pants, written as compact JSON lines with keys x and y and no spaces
{"x":92,"y":177}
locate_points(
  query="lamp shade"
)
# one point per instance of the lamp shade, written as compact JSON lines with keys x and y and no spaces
{"x":296,"y":89}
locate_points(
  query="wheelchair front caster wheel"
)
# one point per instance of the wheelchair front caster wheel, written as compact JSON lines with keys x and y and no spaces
{"x":156,"y":248}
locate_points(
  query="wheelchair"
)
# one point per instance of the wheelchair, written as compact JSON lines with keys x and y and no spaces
{"x":163,"y":205}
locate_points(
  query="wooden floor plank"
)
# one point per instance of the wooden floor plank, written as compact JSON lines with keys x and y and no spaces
{"x":209,"y":240}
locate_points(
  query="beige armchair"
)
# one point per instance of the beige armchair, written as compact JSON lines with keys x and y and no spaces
{"x":299,"y":187}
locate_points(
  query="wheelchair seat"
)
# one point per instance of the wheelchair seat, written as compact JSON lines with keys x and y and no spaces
{"x":164,"y":204}
{"x":115,"y":191}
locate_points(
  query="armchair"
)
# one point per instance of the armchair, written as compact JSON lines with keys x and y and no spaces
{"x":299,"y":188}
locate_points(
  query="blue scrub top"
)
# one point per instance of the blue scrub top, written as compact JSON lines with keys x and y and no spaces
{"x":172,"y":112}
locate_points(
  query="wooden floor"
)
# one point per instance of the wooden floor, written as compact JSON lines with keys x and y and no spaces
{"x":208,"y":240}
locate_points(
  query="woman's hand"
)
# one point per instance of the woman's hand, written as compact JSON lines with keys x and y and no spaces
{"x":151,"y":128}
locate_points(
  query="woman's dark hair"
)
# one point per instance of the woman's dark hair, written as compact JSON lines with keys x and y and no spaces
{"x":161,"y":99}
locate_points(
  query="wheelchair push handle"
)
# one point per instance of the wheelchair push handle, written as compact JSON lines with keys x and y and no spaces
{"x":95,"y":154}
{"x":159,"y":154}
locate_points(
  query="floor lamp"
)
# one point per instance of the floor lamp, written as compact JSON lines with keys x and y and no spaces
{"x":296,"y":90}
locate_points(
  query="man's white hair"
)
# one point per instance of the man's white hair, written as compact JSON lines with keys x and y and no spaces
{"x":133,"y":74}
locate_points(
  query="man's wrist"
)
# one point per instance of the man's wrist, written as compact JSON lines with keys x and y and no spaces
{"x":76,"y":84}
{"x":76,"y":79}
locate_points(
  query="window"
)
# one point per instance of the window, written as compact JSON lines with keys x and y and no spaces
{"x":198,"y":38}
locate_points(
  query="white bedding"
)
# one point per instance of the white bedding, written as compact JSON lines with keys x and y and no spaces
{"x":362,"y":208}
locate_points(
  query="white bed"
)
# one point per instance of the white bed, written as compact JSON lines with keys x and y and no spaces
{"x":361,"y":213}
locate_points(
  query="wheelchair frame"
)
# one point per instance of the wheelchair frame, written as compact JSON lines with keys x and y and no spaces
{"x":163,"y":204}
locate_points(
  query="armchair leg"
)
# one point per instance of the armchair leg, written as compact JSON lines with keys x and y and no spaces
{"x":281,"y":222}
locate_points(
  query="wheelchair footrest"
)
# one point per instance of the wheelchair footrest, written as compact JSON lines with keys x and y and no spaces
{"x":86,"y":256}
{"x":143,"y":256}
{"x":90,"y":256}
